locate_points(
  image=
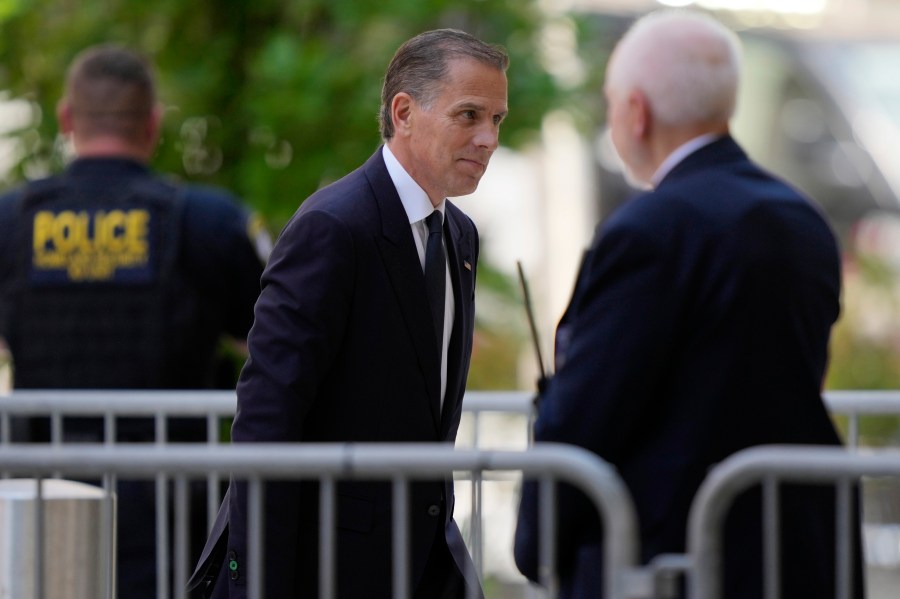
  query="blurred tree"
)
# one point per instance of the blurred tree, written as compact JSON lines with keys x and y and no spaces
{"x":274,"y":98}
{"x":865,"y":343}
{"x":268,"y":98}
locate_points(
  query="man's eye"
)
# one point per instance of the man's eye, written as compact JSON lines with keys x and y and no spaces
{"x":498,"y":119}
{"x":468,"y":114}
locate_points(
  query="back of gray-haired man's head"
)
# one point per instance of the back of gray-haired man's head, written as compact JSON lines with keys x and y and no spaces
{"x":685,"y":62}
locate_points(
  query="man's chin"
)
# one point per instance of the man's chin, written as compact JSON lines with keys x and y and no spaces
{"x":464,"y":189}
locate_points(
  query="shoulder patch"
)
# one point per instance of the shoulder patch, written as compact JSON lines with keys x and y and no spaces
{"x":259,"y":236}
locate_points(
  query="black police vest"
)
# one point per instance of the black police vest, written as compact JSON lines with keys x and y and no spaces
{"x":94,"y":285}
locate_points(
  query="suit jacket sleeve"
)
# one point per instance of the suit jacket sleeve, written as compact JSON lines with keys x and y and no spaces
{"x":299,"y":320}
{"x":619,"y":337}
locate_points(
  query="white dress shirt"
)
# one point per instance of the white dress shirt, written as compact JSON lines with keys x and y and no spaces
{"x":418,"y":207}
{"x":680,"y":153}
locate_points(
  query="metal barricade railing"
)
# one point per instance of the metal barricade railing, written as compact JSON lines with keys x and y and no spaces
{"x":400,"y":464}
{"x":111,"y":404}
{"x":770,"y":466}
{"x":215,"y":407}
{"x":221,"y":404}
{"x":854,"y":404}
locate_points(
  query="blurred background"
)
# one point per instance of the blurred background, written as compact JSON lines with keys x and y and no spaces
{"x":273,"y":98}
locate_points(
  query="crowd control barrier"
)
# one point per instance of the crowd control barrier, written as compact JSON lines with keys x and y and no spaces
{"x":218,"y":406}
{"x":770,"y":466}
{"x":211,"y":405}
{"x":854,"y":404}
{"x":327,"y":464}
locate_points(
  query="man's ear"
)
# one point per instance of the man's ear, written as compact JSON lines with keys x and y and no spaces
{"x":154,"y":124}
{"x":640,"y":118}
{"x":401,"y":112}
{"x":64,"y":116}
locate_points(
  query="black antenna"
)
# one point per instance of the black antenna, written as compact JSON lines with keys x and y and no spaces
{"x":542,"y":380}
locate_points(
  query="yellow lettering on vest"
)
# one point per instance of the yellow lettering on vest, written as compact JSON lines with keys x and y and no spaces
{"x":137,"y":230}
{"x":91,"y":247}
{"x":43,"y":230}
{"x":113,"y":226}
{"x":62,"y":231}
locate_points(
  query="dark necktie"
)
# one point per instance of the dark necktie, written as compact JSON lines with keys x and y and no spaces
{"x":436,"y":273}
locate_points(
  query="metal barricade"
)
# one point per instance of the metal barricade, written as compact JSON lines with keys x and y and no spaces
{"x":770,"y":466}
{"x":327,"y":464}
{"x":216,"y":406}
{"x":854,"y":404}
{"x":213,"y":405}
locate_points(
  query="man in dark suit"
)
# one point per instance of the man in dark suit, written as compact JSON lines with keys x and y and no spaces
{"x":699,"y":324}
{"x":346,"y":345}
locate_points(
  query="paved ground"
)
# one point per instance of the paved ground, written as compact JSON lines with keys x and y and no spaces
{"x":881,"y":584}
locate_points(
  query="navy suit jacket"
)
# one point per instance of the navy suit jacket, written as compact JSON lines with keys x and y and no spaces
{"x":343,"y":350}
{"x":699,"y":326}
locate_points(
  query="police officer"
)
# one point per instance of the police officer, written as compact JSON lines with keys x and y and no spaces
{"x":113,"y":277}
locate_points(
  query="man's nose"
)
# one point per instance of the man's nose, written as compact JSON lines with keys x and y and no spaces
{"x":488,"y":137}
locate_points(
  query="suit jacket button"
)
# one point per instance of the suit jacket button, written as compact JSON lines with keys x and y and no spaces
{"x":233,"y":565}
{"x":434,"y":510}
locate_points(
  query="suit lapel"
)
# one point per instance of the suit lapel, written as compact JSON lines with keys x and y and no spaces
{"x":462,"y":275}
{"x":401,"y":261}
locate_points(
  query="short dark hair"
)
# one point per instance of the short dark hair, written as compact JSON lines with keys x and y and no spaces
{"x":110,"y":90}
{"x":420,"y":64}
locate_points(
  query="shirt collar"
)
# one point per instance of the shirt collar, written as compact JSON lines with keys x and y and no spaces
{"x":104,"y":164}
{"x":680,"y":153}
{"x":414,"y":199}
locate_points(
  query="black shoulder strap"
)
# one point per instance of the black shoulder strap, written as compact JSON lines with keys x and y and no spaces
{"x":171,"y":236}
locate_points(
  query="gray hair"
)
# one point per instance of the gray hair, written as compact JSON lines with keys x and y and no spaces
{"x":686,"y":62}
{"x":420,"y":65}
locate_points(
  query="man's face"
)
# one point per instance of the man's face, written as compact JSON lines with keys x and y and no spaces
{"x":623,"y":117}
{"x":450,"y":141}
{"x":619,"y":120}
{"x":615,"y":120}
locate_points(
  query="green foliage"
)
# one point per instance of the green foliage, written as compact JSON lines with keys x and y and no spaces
{"x":865,"y":343}
{"x":269,"y":98}
{"x":499,"y":331}
{"x":273,"y":98}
